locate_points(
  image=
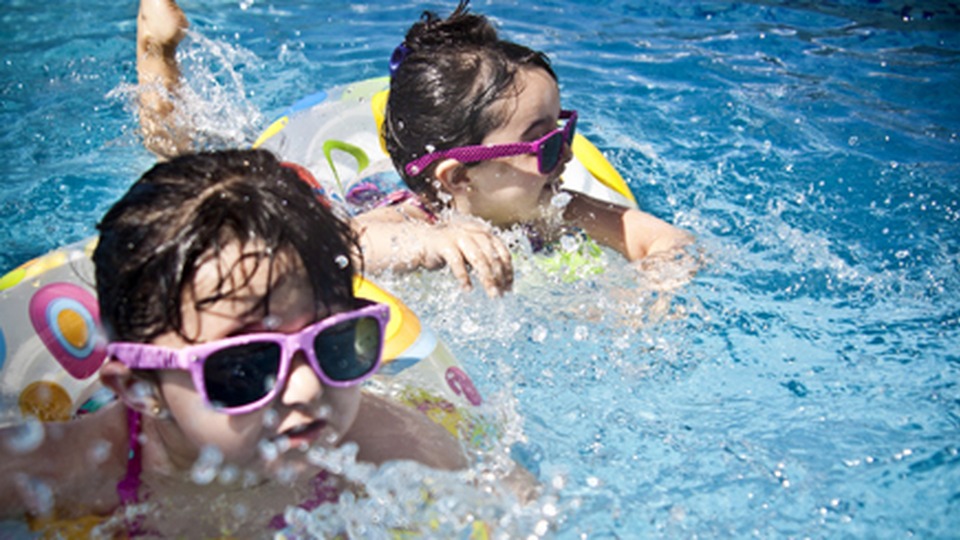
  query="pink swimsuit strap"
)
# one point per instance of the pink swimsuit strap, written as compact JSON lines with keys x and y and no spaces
{"x":129,"y":487}
{"x":401,"y":196}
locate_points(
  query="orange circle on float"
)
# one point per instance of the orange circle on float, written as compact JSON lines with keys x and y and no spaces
{"x":47,"y":401}
{"x":73,"y":328}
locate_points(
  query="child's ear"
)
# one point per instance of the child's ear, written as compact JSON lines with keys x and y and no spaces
{"x":452,"y":176}
{"x":135,"y":392}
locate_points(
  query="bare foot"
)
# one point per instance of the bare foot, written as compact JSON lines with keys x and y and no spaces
{"x":160,"y":24}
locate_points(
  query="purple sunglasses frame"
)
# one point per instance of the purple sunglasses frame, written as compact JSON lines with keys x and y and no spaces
{"x":192,"y":358}
{"x":473,"y":154}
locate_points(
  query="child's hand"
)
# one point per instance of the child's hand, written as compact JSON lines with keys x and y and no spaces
{"x":399,"y":239}
{"x":464,"y":244}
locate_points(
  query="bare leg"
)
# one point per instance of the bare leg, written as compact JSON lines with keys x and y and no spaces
{"x":160,"y":27}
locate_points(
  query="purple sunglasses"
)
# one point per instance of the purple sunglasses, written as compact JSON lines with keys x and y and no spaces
{"x":549,"y":149}
{"x":241,"y":374}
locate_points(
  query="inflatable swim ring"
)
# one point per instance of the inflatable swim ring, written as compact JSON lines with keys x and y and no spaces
{"x":335,"y":134}
{"x":52,"y":346}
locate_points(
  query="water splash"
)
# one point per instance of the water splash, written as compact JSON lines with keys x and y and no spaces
{"x":408,"y":497}
{"x":213,"y":107}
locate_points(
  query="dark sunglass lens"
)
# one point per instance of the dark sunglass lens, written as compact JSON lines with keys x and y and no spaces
{"x":550,"y":152}
{"x":241,"y":375}
{"x":348,"y":350}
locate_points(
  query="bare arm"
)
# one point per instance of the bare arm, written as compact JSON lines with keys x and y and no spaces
{"x":70,"y":468}
{"x":385,"y":431}
{"x":400,"y":238}
{"x":633,"y":233}
{"x":160,"y":27}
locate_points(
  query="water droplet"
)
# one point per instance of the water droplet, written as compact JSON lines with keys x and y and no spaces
{"x":558,"y":482}
{"x":539,"y":334}
{"x":331,"y":437}
{"x":99,"y":452}
{"x":270,"y":418}
{"x":229,"y":474}
{"x":268,"y":450}
{"x":469,"y":327}
{"x":282,"y":444}
{"x":25,"y":437}
{"x":569,"y":242}
{"x":287,"y":474}
{"x":207,"y":466}
{"x":271,"y":322}
{"x":561,"y":200}
{"x":323,"y":411}
{"x":38,"y":492}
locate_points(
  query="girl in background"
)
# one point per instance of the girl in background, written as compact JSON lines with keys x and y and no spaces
{"x":475,"y":126}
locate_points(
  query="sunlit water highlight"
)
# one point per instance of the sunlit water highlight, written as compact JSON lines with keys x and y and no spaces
{"x":802,"y":384}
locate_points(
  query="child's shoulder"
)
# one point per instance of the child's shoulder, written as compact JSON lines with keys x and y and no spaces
{"x":388,"y":430}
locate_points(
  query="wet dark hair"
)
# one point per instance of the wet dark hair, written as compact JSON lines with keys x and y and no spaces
{"x":183,"y":211}
{"x":443,"y":89}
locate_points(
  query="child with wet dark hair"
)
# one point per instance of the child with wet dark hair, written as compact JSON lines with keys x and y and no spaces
{"x":235,"y":342}
{"x":474,"y":126}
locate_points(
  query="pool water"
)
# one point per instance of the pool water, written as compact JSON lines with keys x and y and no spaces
{"x":803,"y":382}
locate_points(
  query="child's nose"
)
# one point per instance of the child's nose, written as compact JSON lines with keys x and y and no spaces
{"x":303,"y":386}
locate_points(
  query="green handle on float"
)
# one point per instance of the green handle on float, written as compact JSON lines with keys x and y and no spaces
{"x":353,"y":150}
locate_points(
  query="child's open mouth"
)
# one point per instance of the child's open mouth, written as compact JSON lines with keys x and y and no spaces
{"x":305,"y":434}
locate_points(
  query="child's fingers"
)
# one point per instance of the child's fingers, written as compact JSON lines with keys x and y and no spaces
{"x":477,"y":257}
{"x":504,"y":263}
{"x":454,"y":259}
{"x":496,"y":255}
{"x":474,"y":248}
{"x":493,"y":262}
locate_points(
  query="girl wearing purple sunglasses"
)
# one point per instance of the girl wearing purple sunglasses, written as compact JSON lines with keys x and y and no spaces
{"x":225,"y":289}
{"x":474,"y":125}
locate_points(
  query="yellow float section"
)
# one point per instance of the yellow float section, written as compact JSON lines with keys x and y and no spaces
{"x":404,"y":326}
{"x":41,"y":264}
{"x":274,"y":128}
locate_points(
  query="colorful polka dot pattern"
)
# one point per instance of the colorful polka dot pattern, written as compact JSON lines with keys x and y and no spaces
{"x":66,"y":318}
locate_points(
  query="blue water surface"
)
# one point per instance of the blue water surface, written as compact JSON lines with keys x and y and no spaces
{"x":803,"y":383}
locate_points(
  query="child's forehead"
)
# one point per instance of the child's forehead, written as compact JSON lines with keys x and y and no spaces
{"x":244,"y":278}
{"x":534,"y":101}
